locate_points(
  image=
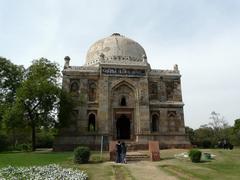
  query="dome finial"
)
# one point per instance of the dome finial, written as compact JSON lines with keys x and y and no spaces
{"x":66,"y":59}
{"x":116,"y":34}
{"x":175,"y":67}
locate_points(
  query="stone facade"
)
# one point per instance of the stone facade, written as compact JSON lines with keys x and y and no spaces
{"x":120,"y":97}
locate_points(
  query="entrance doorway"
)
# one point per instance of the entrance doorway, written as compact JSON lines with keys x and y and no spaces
{"x":123,"y":127}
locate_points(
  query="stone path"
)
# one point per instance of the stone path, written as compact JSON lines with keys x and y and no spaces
{"x":147,"y":170}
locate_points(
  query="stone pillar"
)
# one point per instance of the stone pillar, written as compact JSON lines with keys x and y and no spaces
{"x":103,"y":113}
{"x":112,"y":150}
{"x":144,"y":122}
{"x":154,"y":150}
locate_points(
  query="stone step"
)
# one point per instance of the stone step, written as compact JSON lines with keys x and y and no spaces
{"x":137,"y":156}
{"x":133,"y":146}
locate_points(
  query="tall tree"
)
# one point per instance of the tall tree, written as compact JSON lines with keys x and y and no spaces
{"x":11,"y":77}
{"x":38,"y":97}
{"x":237,"y":125}
{"x":218,"y":124}
{"x":236,"y":131}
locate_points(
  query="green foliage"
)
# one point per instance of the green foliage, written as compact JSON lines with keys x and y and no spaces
{"x":65,"y":109}
{"x":45,"y":138}
{"x":11,"y":76}
{"x":190,"y":134}
{"x":206,"y":143}
{"x":23,"y":147}
{"x":195,"y":155}
{"x":38,"y":97}
{"x":81,"y":154}
{"x":237,"y":125}
{"x":202,"y":134}
{"x":3,"y":142}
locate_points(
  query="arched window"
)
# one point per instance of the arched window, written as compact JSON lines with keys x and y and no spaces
{"x":92,"y":92}
{"x":154,"y":88}
{"x":153,"y":91}
{"x":91,"y":123}
{"x":173,"y":124}
{"x":155,"y":121}
{"x":74,"y":88}
{"x":123,"y":101}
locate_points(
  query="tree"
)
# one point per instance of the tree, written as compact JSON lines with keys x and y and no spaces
{"x":236,"y":131}
{"x":11,"y":77}
{"x":190,"y":134}
{"x":218,"y":125}
{"x":204,"y":136}
{"x":236,"y":125}
{"x":38,"y":97}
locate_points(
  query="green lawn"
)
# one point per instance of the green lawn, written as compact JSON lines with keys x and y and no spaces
{"x":33,"y":158}
{"x":226,"y":164}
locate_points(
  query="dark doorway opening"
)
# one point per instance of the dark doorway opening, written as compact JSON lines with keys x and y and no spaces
{"x":91,"y":123}
{"x":123,"y":127}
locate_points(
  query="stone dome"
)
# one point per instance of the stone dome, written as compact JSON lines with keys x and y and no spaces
{"x":116,"y":49}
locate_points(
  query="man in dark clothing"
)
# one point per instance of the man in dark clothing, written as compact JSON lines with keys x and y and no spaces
{"x":118,"y":152}
{"x":124,"y":152}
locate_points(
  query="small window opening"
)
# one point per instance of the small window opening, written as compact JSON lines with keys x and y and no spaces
{"x":123,"y":101}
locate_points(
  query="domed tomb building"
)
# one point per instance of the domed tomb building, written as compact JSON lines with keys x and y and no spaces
{"x":119,"y":97}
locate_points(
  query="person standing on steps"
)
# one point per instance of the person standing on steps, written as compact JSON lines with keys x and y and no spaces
{"x":124,"y":152}
{"x":118,"y":152}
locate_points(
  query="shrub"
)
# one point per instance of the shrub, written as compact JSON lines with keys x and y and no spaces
{"x":81,"y":154}
{"x":45,"y":140}
{"x":195,"y":155}
{"x":23,"y":147}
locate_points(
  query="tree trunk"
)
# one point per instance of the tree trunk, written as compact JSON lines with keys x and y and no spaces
{"x":33,"y":136}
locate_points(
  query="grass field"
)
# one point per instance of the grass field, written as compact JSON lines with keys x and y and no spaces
{"x":226,"y":165}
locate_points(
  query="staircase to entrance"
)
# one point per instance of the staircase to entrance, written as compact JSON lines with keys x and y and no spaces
{"x":136,"y":151}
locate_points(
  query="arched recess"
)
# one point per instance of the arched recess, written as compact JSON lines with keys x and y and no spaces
{"x":74,"y":88}
{"x":122,"y":83}
{"x":92,"y":88}
{"x":154,"y":122}
{"x":91,"y":122}
{"x":173,"y":121}
{"x":123,"y":94}
{"x":123,"y":104}
{"x":123,"y":101}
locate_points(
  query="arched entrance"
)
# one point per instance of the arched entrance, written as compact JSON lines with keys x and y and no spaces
{"x":123,"y":127}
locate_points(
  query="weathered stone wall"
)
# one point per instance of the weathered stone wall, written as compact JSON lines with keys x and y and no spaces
{"x":157,"y":93}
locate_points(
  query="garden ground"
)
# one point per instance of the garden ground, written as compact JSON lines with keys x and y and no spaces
{"x":225,"y":165}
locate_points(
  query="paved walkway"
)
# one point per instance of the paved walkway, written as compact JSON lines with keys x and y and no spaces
{"x":147,"y":170}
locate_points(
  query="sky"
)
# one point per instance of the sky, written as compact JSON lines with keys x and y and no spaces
{"x":201,"y":36}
